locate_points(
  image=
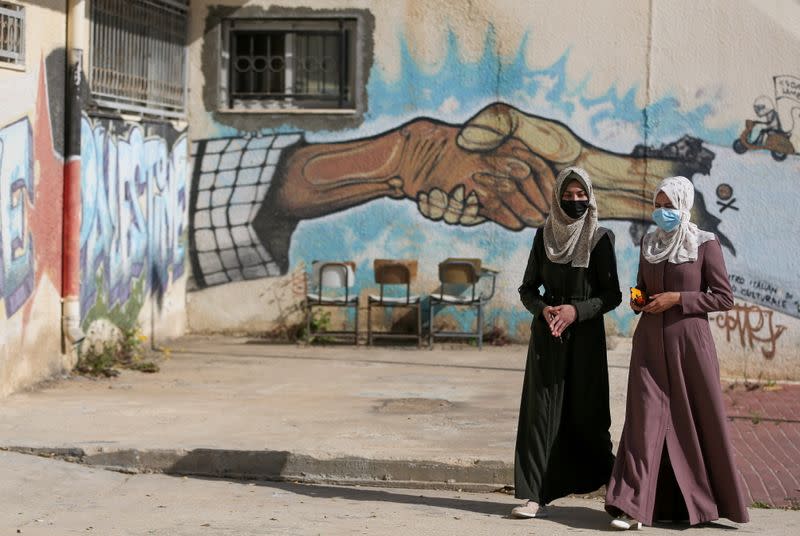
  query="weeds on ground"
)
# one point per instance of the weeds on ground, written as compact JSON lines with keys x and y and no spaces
{"x":126,"y":352}
{"x":759,"y":504}
{"x":320,"y":323}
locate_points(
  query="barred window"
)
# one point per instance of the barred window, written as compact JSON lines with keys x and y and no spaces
{"x":138,"y":56}
{"x":283,"y":64}
{"x":12,"y":34}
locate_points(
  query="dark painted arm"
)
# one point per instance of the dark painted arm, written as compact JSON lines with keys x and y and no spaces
{"x":718,"y":296}
{"x":608,"y":294}
{"x":532,"y":280}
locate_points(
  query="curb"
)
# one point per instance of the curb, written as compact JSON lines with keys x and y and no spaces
{"x":284,"y":466}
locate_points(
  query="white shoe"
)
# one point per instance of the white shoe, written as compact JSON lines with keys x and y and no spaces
{"x":529,"y":510}
{"x":624,"y":522}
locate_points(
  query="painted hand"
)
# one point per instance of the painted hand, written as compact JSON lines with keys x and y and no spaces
{"x":623,"y":183}
{"x":433,"y":163}
{"x":453,"y":179}
{"x":499,"y":166}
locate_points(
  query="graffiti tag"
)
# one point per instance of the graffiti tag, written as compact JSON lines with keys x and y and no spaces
{"x":133,"y":211}
{"x":753,"y":325}
{"x":16,"y":196}
{"x":764,"y":293}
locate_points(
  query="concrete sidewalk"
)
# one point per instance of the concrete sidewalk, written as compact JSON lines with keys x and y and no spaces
{"x":239,"y":408}
{"x":50,"y":497}
{"x":228,"y":406}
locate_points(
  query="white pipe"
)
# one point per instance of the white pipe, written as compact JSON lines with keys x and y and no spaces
{"x":76,"y":24}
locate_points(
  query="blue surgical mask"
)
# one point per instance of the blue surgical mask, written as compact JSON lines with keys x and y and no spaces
{"x":667,"y":218}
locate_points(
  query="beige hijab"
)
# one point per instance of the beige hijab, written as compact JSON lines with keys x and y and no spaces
{"x":679,"y":245}
{"x":567,"y":240}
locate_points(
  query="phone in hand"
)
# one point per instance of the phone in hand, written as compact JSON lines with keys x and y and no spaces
{"x":637,"y":297}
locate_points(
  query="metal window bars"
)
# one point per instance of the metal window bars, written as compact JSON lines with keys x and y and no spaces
{"x":138,"y":56}
{"x":12,"y":33}
{"x":291,"y":68}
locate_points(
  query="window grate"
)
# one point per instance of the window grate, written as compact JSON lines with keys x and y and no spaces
{"x":304,"y":64}
{"x":138,"y":55}
{"x":12,"y":33}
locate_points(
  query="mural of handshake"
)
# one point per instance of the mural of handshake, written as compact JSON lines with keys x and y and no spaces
{"x":500,"y":166}
{"x":250,"y":193}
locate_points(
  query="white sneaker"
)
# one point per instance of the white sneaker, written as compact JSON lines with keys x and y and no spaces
{"x":624,"y":522}
{"x":529,"y":510}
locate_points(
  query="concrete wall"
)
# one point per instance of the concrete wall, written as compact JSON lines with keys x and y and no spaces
{"x":31,"y":175}
{"x":572,"y":82}
{"x":134,"y":196}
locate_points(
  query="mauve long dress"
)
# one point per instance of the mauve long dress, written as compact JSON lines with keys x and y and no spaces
{"x":675,"y":400}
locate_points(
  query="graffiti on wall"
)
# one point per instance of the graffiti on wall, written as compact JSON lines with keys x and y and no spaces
{"x":777,"y":127}
{"x":134,"y":196}
{"x":445,"y":164}
{"x":134,"y":201}
{"x":753,"y":325}
{"x":500,"y":166}
{"x":30,"y":203}
{"x":766,"y":293}
{"x":16,"y":195}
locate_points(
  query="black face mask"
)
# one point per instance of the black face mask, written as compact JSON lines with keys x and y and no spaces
{"x":574,"y":209}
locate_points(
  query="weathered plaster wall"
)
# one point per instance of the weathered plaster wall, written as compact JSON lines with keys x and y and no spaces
{"x":471,"y":108}
{"x":31,"y":174}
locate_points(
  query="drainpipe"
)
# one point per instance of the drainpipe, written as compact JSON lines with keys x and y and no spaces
{"x":71,"y":268}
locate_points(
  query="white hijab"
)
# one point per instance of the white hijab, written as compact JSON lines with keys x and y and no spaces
{"x":679,"y":245}
{"x":567,"y":240}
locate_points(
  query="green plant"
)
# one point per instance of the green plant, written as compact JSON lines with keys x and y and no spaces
{"x":759,"y":504}
{"x":145,"y":366}
{"x":125,"y":352}
{"x":320,"y":323}
{"x":98,"y":362}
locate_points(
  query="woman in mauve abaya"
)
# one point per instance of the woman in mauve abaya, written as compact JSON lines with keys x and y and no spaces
{"x":563,"y":440}
{"x":674,"y":461}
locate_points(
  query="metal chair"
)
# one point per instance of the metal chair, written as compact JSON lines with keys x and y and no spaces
{"x":394,"y":272}
{"x":332,"y":275}
{"x":461,"y":275}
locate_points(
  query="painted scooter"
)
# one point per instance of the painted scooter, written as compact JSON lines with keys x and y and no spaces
{"x":776,"y":142}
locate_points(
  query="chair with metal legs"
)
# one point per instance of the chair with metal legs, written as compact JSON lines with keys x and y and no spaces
{"x":394,"y":272}
{"x":458,"y":287}
{"x":332,"y":284}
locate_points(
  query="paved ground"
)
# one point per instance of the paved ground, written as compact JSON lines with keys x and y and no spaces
{"x":444,"y":406}
{"x":765,"y":432}
{"x":50,"y":497}
{"x":232,"y":407}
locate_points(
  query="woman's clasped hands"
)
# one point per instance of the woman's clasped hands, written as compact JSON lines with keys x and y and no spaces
{"x":559,"y":318}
